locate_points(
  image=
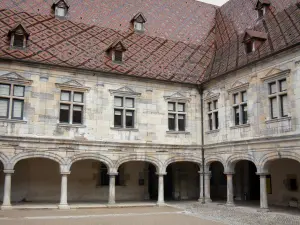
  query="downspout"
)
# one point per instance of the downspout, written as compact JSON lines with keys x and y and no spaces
{"x":200,"y":90}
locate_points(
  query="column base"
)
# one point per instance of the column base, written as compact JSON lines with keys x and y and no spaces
{"x":263,"y":210}
{"x":111,"y":203}
{"x":161,"y":204}
{"x":6,"y":207}
{"x":208,"y":200}
{"x":230,"y":204}
{"x":64,"y":206}
{"x":201,"y":200}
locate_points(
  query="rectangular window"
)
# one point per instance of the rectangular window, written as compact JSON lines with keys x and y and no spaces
{"x":278,"y":99}
{"x":245,"y":114}
{"x":124,"y":112}
{"x":244,"y":96}
{"x":118,"y":56}
{"x":18,"y":41}
{"x":240,"y":112}
{"x":13,"y":95}
{"x":176,"y":119}
{"x":236,"y":98}
{"x":236,"y":115}
{"x":213,"y":115}
{"x":71,"y":107}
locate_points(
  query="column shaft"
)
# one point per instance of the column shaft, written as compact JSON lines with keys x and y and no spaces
{"x":160,"y":200}
{"x":112,"y":189}
{"x":7,"y":190}
{"x":64,"y":192}
{"x":201,"y":186}
{"x":230,"y":201}
{"x":263,"y":192}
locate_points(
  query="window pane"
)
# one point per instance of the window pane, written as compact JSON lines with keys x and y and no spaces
{"x":118,"y":102}
{"x":282,"y":84}
{"x":18,"y":41}
{"x":129,"y":118}
{"x":274,"y":108}
{"x":60,"y":11}
{"x":78,"y":97}
{"x":129,"y":102}
{"x":215,"y":104}
{"x":4,"y":89}
{"x":19,"y":91}
{"x":209,"y":106}
{"x":171,"y":106}
{"x":77,"y":114}
{"x":216,"y":114}
{"x":65,"y":96}
{"x":64,"y":113}
{"x":118,"y":118}
{"x":236,"y":98}
{"x":181,"y":107}
{"x":272,"y":88}
{"x":236,"y":115}
{"x":245,"y":114}
{"x":4,"y":104}
{"x":138,"y":26}
{"x":249,"y":47}
{"x":17,"y":111}
{"x":284,"y":105}
{"x":171,"y":121}
{"x":244,"y":96}
{"x":210,"y":122}
{"x":181,"y":122}
{"x":118,"y":56}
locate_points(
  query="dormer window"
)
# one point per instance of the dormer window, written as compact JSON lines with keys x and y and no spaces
{"x":116,"y":50}
{"x":138,"y":22}
{"x":253,"y":40}
{"x":60,"y":8}
{"x":262,"y":7}
{"x":18,"y":36}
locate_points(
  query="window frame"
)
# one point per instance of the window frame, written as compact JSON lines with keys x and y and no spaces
{"x":71,"y":103}
{"x":10,"y":99}
{"x":278,"y":94}
{"x":114,"y":56}
{"x":239,"y":106}
{"x":177,"y":113}
{"x":124,"y":109}
{"x":212,"y":110}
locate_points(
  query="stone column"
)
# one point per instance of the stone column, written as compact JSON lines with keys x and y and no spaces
{"x":7,"y":189}
{"x":230,"y":201}
{"x":64,"y":191}
{"x":263,"y":192}
{"x":160,"y":200}
{"x":112,"y":188}
{"x":207,"y":176}
{"x":201,"y":186}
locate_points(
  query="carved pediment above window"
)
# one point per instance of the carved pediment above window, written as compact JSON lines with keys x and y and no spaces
{"x":124,"y":91}
{"x":177,"y":97}
{"x":209,"y":96}
{"x":275,"y":74}
{"x":72,"y":85}
{"x":14,"y":78}
{"x":239,"y":85}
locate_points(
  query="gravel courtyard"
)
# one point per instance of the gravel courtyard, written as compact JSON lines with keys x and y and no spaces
{"x":240,"y":215}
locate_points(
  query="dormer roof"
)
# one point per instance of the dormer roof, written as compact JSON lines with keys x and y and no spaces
{"x":253,"y":34}
{"x":117,"y":45}
{"x":139,"y":17}
{"x":261,"y":3}
{"x":19,"y":29}
{"x":61,"y":3}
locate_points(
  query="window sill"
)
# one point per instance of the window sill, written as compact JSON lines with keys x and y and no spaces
{"x":240,"y":126}
{"x":178,"y":132}
{"x":212,"y":131}
{"x":71,"y":125}
{"x":124,"y":129}
{"x":12,"y":121}
{"x":278,"y":120}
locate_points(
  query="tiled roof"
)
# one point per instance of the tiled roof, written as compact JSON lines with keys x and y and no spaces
{"x":179,"y":20}
{"x":66,"y":43}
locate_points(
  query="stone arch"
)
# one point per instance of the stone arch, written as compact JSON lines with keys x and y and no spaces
{"x":35,"y":154}
{"x":215,"y":158}
{"x":4,"y":159}
{"x":90,"y":155}
{"x":174,"y":159}
{"x":150,"y":159}
{"x":233,"y":159}
{"x":266,"y":159}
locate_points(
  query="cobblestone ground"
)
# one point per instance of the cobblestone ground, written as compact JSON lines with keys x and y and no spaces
{"x":239,"y":215}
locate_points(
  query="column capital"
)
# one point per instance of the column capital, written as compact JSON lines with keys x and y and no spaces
{"x":9,"y":171}
{"x":205,"y":173}
{"x":229,"y":173}
{"x":112,"y":174}
{"x":161,"y":173}
{"x":65,"y":173}
{"x":262,"y":173}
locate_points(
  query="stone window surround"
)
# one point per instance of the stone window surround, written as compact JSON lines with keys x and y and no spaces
{"x":72,"y":89}
{"x":212,"y":98}
{"x":238,"y":89}
{"x":178,"y":98}
{"x":126,"y":92}
{"x":271,"y":78}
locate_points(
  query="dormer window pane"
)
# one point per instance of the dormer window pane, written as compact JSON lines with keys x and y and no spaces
{"x":249,"y":46}
{"x":60,"y":11}
{"x":138,"y":26}
{"x":18,"y":41}
{"x":118,"y":56}
{"x":261,"y":13}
